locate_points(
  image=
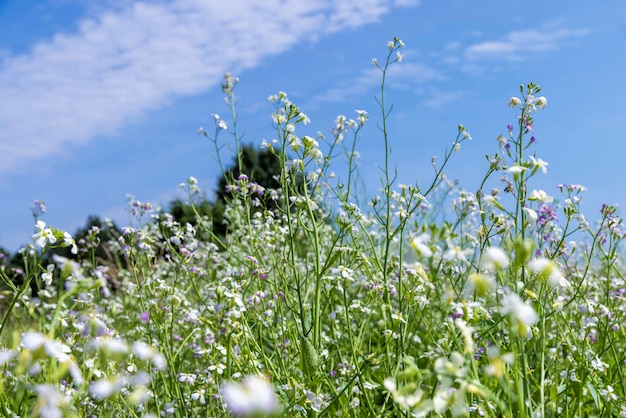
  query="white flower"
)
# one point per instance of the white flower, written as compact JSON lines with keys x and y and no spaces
{"x":104,"y":388}
{"x":419,"y":245}
{"x":37,"y":343}
{"x":547,"y":269}
{"x":502,"y":142}
{"x":254,"y":395}
{"x":343,"y":272}
{"x":515,"y":169}
{"x":304,"y":119}
{"x":110,"y":345}
{"x":198,"y":396}
{"x":145,"y":352}
{"x":43,"y":235}
{"x":598,"y":365}
{"x":408,"y":400}
{"x":33,"y":341}
{"x":221,"y":124}
{"x":50,"y":402}
{"x":47,"y":276}
{"x":456,"y":253}
{"x":6,"y":356}
{"x":514,"y":101}
{"x":541,"y":102}
{"x":522,"y":312}
{"x":494,"y":258}
{"x":187,"y":378}
{"x":72,"y":266}
{"x":541,"y":196}
{"x":480,"y":283}
{"x":608,"y":393}
{"x":68,"y":241}
{"x":539,"y":163}
{"x":531,"y":215}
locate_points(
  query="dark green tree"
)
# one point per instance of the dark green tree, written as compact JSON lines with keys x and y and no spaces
{"x":261,"y":167}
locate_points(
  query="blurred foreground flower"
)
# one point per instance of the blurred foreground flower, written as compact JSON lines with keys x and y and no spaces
{"x":253,"y":396}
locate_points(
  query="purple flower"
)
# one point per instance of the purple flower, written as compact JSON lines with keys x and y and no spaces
{"x":144,"y":317}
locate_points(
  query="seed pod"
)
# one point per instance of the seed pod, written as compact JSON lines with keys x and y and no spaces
{"x":310,"y":359}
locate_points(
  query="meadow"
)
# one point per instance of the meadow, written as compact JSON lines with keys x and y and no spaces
{"x":426,"y":300}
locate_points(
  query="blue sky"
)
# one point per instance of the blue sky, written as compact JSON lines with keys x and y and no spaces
{"x":99,"y":99}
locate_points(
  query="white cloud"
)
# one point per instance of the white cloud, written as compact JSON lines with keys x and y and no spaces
{"x":516,"y":46}
{"x":75,"y":86}
{"x":437,"y":99}
{"x":408,"y":3}
{"x":400,"y":75}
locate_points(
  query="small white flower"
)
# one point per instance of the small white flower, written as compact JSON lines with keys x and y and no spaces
{"x":514,"y":101}
{"x":68,"y":241}
{"x":522,"y":312}
{"x":479,"y":283}
{"x":548,"y":270}
{"x":71,"y":265}
{"x":6,"y":356}
{"x":43,"y":235}
{"x":219,"y":368}
{"x":304,"y":119}
{"x":254,"y":395}
{"x":456,"y":253}
{"x":541,"y":102}
{"x":104,"y":388}
{"x":47,"y":276}
{"x":598,"y":365}
{"x":198,"y":396}
{"x":609,"y":393}
{"x":515,"y":169}
{"x":419,"y":244}
{"x":502,"y":142}
{"x":33,"y":341}
{"x":540,"y":196}
{"x":50,"y":401}
{"x":494,"y":258}
{"x":582,"y":222}
{"x":539,"y":163}
{"x":111,"y":345}
{"x":145,"y":352}
{"x":531,"y":215}
{"x":187,"y":378}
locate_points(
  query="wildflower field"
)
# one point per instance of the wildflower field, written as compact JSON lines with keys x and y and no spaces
{"x":425,"y":300}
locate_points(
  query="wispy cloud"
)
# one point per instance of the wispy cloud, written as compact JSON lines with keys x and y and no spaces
{"x":437,"y":99}
{"x":76,"y":86}
{"x":517,"y":46}
{"x":401,"y":76}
